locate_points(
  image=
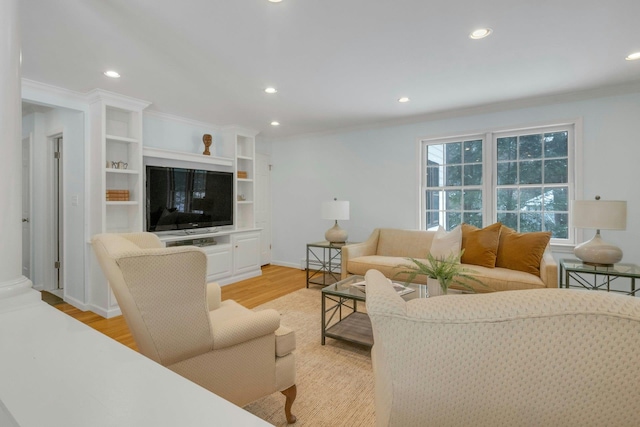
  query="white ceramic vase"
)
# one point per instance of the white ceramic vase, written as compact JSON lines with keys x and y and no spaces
{"x":433,"y":288}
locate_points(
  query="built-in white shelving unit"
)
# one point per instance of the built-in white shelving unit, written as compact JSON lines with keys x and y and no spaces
{"x":115,"y":165}
{"x":244,"y":143}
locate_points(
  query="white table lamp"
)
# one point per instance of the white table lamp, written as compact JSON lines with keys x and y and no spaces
{"x":336,"y":210}
{"x":600,"y":215}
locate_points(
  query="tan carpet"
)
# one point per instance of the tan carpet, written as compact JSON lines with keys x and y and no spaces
{"x":335,"y":381}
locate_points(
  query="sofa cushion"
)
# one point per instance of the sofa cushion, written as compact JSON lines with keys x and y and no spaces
{"x":522,"y":251}
{"x":480,"y":245}
{"x":445,"y":244}
{"x":500,"y":279}
{"x":493,"y":278}
{"x":404,"y":243}
{"x":388,"y":265}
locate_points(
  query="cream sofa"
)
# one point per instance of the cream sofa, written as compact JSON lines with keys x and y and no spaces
{"x":387,"y":248}
{"x":544,"y":357}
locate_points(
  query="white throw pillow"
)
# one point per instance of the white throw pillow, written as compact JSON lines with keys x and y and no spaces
{"x":444,"y":244}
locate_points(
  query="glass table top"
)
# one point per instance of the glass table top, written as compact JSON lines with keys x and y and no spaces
{"x":346,"y":289}
{"x":621,"y":269}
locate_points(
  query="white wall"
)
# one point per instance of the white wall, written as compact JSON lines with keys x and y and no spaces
{"x":182,"y":135}
{"x":377,"y":170}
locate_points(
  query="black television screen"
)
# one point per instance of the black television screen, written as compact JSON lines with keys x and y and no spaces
{"x":179,"y":199}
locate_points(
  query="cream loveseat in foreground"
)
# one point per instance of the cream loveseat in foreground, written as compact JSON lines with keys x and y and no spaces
{"x":544,"y":357}
{"x":387,"y":248}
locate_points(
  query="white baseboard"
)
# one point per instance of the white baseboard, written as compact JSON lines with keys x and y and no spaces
{"x":107,"y":314}
{"x":288,"y":264}
{"x":76,"y":303}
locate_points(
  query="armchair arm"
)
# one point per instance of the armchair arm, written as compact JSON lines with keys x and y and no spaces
{"x":245,"y":328}
{"x":549,"y":270}
{"x":213,"y":296}
{"x":368,"y":247}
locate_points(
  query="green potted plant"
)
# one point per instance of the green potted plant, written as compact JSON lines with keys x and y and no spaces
{"x":443,"y":271}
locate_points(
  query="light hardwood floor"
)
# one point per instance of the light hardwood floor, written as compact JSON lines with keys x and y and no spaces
{"x":275,"y":282}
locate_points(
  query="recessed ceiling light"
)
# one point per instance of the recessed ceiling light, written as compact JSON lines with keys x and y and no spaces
{"x":274,"y":123}
{"x":633,"y":56}
{"x":275,"y":1}
{"x":271,"y":90}
{"x":480,"y":33}
{"x":112,"y":74}
{"x":403,"y":99}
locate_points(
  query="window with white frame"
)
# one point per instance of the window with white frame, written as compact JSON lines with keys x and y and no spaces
{"x":454,"y":190}
{"x":522,"y":178}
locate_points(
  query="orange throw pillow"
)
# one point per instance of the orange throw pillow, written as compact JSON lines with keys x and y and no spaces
{"x":480,"y":244}
{"x":522,"y":251}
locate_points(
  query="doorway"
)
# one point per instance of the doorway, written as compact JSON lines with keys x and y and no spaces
{"x":58,"y":215}
{"x":263,"y":205}
{"x":26,"y":206}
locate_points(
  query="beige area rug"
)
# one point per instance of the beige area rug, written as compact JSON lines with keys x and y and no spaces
{"x":335,"y":381}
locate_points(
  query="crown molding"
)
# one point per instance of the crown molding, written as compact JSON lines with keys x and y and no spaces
{"x":43,"y":93}
{"x":495,"y":107}
{"x":116,"y":99}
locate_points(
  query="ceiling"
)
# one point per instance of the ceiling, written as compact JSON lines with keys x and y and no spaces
{"x":336,"y":64}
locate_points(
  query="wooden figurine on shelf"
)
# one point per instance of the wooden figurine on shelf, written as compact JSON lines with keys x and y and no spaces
{"x":206,"y":138}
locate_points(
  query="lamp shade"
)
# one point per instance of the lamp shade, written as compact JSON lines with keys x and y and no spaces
{"x":600,"y":214}
{"x":335,"y":210}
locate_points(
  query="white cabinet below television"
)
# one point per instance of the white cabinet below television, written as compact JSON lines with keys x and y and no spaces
{"x":232,"y":255}
{"x":246,"y":252}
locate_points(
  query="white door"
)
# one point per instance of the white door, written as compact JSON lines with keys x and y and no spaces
{"x":26,"y":207}
{"x":263,"y":205}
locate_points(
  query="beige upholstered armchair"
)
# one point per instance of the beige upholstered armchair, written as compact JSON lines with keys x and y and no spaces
{"x":178,"y":320}
{"x":546,"y":357}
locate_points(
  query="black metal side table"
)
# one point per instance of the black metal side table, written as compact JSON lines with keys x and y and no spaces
{"x":324,"y":261}
{"x":573,"y":269}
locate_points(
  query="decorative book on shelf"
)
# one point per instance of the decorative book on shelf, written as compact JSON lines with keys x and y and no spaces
{"x":242,"y":174}
{"x":399,"y":288}
{"x":117,"y":195}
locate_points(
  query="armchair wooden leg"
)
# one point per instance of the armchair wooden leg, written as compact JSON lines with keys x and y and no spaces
{"x":290,"y":394}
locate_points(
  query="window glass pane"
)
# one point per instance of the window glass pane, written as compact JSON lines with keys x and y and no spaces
{"x":531,"y":172}
{"x":556,"y":171}
{"x":433,"y":177}
{"x":473,"y":151}
{"x":454,"y":176}
{"x":531,"y":199}
{"x":556,"y":199}
{"x":453,"y":220}
{"x":558,"y":224}
{"x":433,"y":199}
{"x":473,"y":174}
{"x":433,"y":219}
{"x":507,"y":173}
{"x":453,"y":152}
{"x":473,"y":218}
{"x":507,"y":148}
{"x":530,"y":221}
{"x":472,"y":200}
{"x":556,"y":144}
{"x":508,"y":219}
{"x":453,"y":200}
{"x":507,"y":199}
{"x":435,"y":154}
{"x":530,"y":147}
